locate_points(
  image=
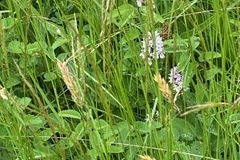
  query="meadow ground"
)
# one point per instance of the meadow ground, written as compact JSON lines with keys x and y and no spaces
{"x":126,"y":79}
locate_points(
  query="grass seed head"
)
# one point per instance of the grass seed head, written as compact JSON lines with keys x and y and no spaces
{"x":163,"y":87}
{"x":70,"y":83}
{"x":146,"y":157}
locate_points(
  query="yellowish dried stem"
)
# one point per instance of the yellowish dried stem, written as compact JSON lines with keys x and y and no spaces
{"x":146,"y":157}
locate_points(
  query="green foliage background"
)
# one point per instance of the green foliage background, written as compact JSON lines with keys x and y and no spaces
{"x":101,"y":114}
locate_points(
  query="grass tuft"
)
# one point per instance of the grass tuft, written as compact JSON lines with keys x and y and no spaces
{"x":110,"y":80}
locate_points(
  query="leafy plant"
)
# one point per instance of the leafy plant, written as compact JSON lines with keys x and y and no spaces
{"x":118,"y":79}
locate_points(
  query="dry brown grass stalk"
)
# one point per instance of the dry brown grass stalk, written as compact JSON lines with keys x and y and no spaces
{"x":40,"y":103}
{"x":70,"y":83}
{"x":146,"y":157}
{"x":31,"y":88}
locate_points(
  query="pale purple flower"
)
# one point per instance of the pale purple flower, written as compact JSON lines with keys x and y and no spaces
{"x":175,"y":78}
{"x":152,"y":49}
{"x":140,"y":3}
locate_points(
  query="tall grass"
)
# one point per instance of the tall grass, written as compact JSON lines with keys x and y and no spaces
{"x":74,"y":86}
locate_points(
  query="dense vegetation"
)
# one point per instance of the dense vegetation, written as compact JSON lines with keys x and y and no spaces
{"x":120,"y":79}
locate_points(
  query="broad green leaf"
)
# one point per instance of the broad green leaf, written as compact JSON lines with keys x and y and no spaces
{"x":122,"y":15}
{"x":130,"y":35}
{"x":15,"y":47}
{"x":212,"y":72}
{"x":126,"y":64}
{"x":124,"y":9}
{"x":142,"y":127}
{"x":196,"y":148}
{"x":35,"y":122}
{"x":46,"y":152}
{"x":141,"y":71}
{"x":181,"y":147}
{"x":145,"y":127}
{"x":209,"y":56}
{"x":125,"y":132}
{"x":54,"y":29}
{"x":49,"y":76}
{"x":62,"y":56}
{"x":25,"y":101}
{"x":60,"y":41}
{"x":156,"y":125}
{"x":131,"y":151}
{"x":65,"y":143}
{"x":79,"y":131}
{"x":45,"y":134}
{"x":51,"y":54}
{"x":129,"y":54}
{"x":111,"y":131}
{"x":212,"y":128}
{"x":115,"y":149}
{"x":36,"y":47}
{"x":157,"y":17}
{"x":101,"y":124}
{"x":93,"y":153}
{"x":184,"y":128}
{"x":70,"y":114}
{"x":184,"y":61}
{"x":165,"y":132}
{"x":104,"y":128}
{"x":8,"y":22}
{"x":59,"y":121}
{"x":194,"y":42}
{"x":234,"y":118}
{"x":12,"y":81}
{"x":211,"y":124}
{"x":96,"y":143}
{"x":181,"y":47}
